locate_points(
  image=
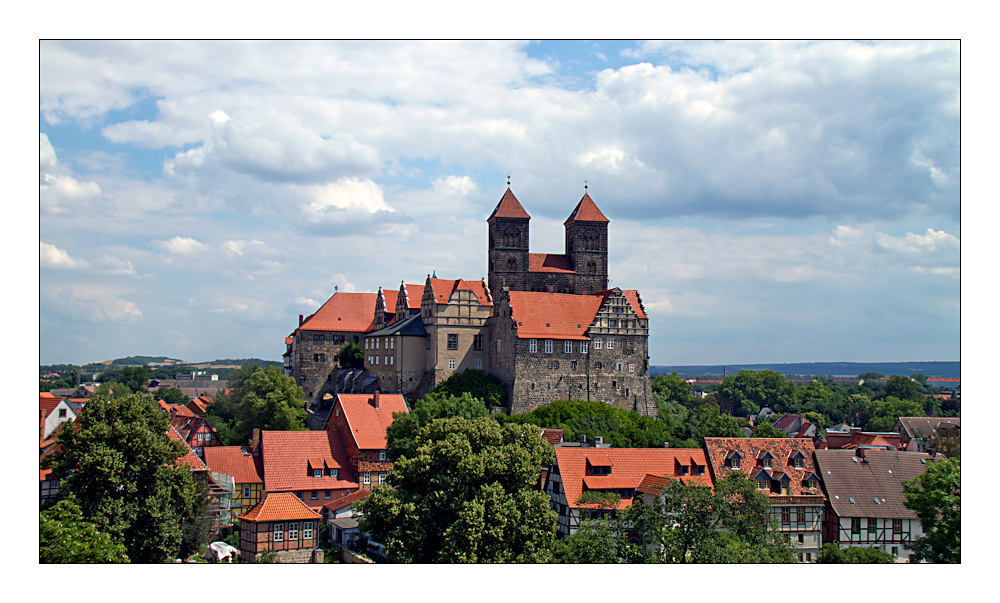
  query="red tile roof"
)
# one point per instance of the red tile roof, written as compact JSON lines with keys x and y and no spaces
{"x":236,"y":461}
{"x":351,"y":312}
{"x":280,"y":506}
{"x":509,"y":207}
{"x":368,"y":424}
{"x":46,"y":403}
{"x":287,"y":456}
{"x":944,"y":380}
{"x":629,"y":467}
{"x":414,"y":293}
{"x":586,"y":211}
{"x":443,"y":290}
{"x":631,"y":295}
{"x":390,"y":300}
{"x":751,"y":450}
{"x":549,"y":262}
{"x":189,"y":459}
{"x":289,"y":340}
{"x":346,"y":501}
{"x":553,"y":436}
{"x":553,"y":315}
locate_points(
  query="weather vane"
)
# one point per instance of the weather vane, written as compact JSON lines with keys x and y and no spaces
{"x":584,"y":185}
{"x":508,"y":180}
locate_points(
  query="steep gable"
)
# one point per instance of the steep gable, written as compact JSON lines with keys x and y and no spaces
{"x":366,"y":423}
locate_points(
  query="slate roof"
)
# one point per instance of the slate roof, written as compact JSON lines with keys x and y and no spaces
{"x":549,"y":262}
{"x":350,"y":312}
{"x":553,"y":315}
{"x":287,"y":457}
{"x":586,"y":211}
{"x":928,"y":426}
{"x":236,"y":461}
{"x":413,"y":325}
{"x":750,"y":450}
{"x":629,"y":467}
{"x":280,"y":506}
{"x":443,"y":290}
{"x":368,"y":424}
{"x":509,"y":207}
{"x":878,"y":475}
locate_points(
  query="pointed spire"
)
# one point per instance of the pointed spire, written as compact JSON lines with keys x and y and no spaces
{"x":586,"y":211}
{"x":509,"y":207}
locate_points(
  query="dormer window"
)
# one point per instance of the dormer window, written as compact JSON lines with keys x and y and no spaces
{"x":334,"y":472}
{"x":317,"y":473}
{"x":797,"y":463}
{"x":765,"y":484}
{"x":766,"y":461}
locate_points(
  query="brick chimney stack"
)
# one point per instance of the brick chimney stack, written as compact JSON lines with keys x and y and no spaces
{"x":375,"y":400}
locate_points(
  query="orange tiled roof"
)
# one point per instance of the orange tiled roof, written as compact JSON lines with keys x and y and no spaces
{"x":289,"y":340}
{"x":509,"y":207}
{"x":351,"y":312}
{"x":190,"y":459}
{"x":390,"y":296}
{"x":549,"y":262}
{"x":236,"y":461}
{"x":553,"y":436}
{"x":629,"y":467}
{"x":287,"y":456}
{"x":553,"y":315}
{"x":443,"y":290}
{"x":367,"y":424}
{"x":414,"y":293}
{"x":280,"y":506}
{"x":782,"y":450}
{"x":346,"y":501}
{"x":586,"y":211}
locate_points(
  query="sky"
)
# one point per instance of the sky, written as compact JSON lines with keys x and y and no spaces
{"x":788,"y":201}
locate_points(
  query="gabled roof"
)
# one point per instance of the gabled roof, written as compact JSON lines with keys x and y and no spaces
{"x":280,"y":506}
{"x":878,"y":475}
{"x":368,"y":424}
{"x":413,"y":325}
{"x":631,"y":295}
{"x":928,"y":426}
{"x":350,"y":312}
{"x":509,"y":207}
{"x":236,"y":461}
{"x":390,"y":296}
{"x":553,"y":315}
{"x":549,"y":262}
{"x":553,"y":436}
{"x":629,"y":468}
{"x":586,"y":211}
{"x":189,"y":459}
{"x":750,"y":449}
{"x":346,"y":501}
{"x":443,"y":290}
{"x":286,"y":456}
{"x":414,"y":293}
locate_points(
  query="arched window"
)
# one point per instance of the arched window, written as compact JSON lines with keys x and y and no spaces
{"x":512,"y":264}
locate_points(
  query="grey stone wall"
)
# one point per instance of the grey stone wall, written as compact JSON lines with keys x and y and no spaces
{"x":311,"y":373}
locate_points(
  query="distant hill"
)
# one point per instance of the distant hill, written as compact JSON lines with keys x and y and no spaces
{"x":821,"y":369}
{"x":163,"y":361}
{"x":143,"y":361}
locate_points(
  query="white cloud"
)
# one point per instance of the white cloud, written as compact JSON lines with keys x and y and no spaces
{"x":114,"y":266}
{"x":59,"y":192}
{"x":455,"y":186}
{"x":91,"y":303}
{"x":50,"y":256}
{"x":183,"y":246}
{"x":349,"y":196}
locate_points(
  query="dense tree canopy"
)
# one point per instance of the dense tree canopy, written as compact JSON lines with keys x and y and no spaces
{"x":352,"y":355}
{"x":171,"y":395}
{"x":119,"y":469}
{"x":261,"y":399}
{"x":882,"y":414}
{"x":64,"y":536}
{"x":619,"y":427}
{"x":402,"y":432}
{"x":749,"y":391}
{"x":833,"y":553}
{"x":135,"y":377}
{"x":478,"y":384}
{"x":936,"y":497}
{"x":466,"y":495}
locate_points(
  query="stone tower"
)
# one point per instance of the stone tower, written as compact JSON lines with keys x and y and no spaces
{"x":587,"y":246}
{"x":508,"y":247}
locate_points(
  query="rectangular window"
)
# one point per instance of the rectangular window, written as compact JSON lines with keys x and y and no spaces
{"x":800,"y":557}
{"x":307,"y":530}
{"x":631,"y":368}
{"x":479,"y":364}
{"x":201,"y":437}
{"x":855,"y":525}
{"x":392,"y":344}
{"x":611,"y":343}
{"x":766,"y":461}
{"x":800,"y":515}
{"x":315,"y":494}
{"x":533,"y":346}
{"x":279,"y":532}
{"x":386,"y":360}
{"x":801,"y":539}
{"x":319,"y":337}
{"x":246,"y":491}
{"x":453,"y":342}
{"x":613,"y":323}
{"x":319,"y":357}
{"x":367,"y":342}
{"x":583,"y":347}
{"x":734,"y":462}
{"x":334,"y":472}
{"x":392,"y":361}
{"x":786,"y":516}
{"x":376,"y":361}
{"x":548,"y":346}
{"x":897,"y":526}
{"x":366,"y":477}
{"x":477,"y":342}
{"x":317,"y":473}
{"x":765,"y":484}
{"x":498,"y":346}
{"x":567,"y":347}
{"x":797,"y":463}
{"x":871,"y":525}
{"x":377,"y":343}
{"x":451,"y":363}
{"x":381,"y":477}
{"x":809,"y":557}
{"x":382,"y":456}
{"x":293,"y":530}
{"x":326,"y":494}
{"x":62,"y":413}
{"x":572,"y":364}
{"x":597,"y":343}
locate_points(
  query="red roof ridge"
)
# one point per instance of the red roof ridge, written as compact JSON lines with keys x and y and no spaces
{"x":586,"y":211}
{"x":280,"y":506}
{"x":509,"y":207}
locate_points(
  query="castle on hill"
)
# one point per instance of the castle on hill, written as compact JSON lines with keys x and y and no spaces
{"x":545,"y":324}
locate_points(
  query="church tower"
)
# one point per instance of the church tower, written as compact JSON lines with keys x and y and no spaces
{"x":587,"y":246}
{"x":508,"y":246}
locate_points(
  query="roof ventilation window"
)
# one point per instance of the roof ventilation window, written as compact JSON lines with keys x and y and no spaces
{"x":852,"y":501}
{"x":877,"y":501}
{"x":890,"y":471}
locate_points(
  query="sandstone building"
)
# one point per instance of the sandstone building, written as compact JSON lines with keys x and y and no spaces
{"x":545,"y":324}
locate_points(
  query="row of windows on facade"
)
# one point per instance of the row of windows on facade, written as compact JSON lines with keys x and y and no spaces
{"x":872,"y":524}
{"x":734,"y":462}
{"x":321,"y":338}
{"x":293,"y":531}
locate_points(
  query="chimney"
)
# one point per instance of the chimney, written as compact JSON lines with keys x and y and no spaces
{"x":300,"y":320}
{"x":598,"y":440}
{"x":375,"y":399}
{"x":255,"y":440}
{"x":583,"y":440}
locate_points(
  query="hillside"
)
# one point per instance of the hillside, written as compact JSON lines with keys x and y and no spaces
{"x":821,"y":369}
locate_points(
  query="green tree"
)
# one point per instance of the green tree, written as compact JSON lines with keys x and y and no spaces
{"x":832,"y":553}
{"x":64,"y":536}
{"x":467,"y":495}
{"x":672,"y":388}
{"x":478,"y":384}
{"x":262,"y":399}
{"x":352,"y":355}
{"x":936,"y":497}
{"x":882,"y":414}
{"x":171,"y":395}
{"x":767,"y":430}
{"x":401,"y":435}
{"x":119,"y":468}
{"x":113,"y":389}
{"x":902,"y":387}
{"x":593,"y":542}
{"x":749,"y":391}
{"x":747,"y":533}
{"x":135,"y":377}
